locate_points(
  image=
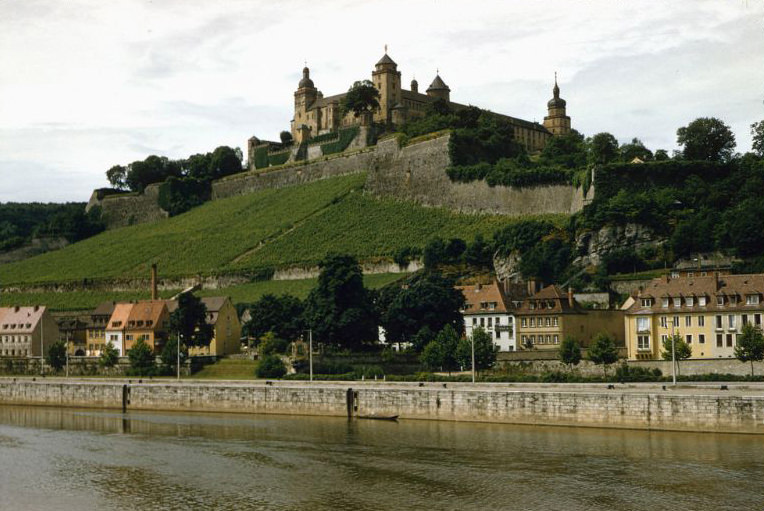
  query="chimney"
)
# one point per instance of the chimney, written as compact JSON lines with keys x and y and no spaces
{"x":571,"y":301}
{"x":717,"y":281}
{"x":531,"y":287}
{"x":154,"y":281}
{"x":36,"y":308}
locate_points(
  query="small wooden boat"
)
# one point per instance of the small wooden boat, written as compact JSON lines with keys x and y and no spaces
{"x":378,"y":417}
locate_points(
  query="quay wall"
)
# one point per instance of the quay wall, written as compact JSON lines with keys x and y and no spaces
{"x":619,"y":408}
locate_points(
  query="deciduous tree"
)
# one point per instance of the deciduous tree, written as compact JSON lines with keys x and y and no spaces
{"x":750,"y":345}
{"x":362,"y":97}
{"x":569,"y":352}
{"x":603,"y":351}
{"x":56,"y":357}
{"x":109,"y":356}
{"x":485,"y":350}
{"x":757,"y":144}
{"x":681,"y":350}
{"x":142,"y":360}
{"x":706,"y":138}
{"x":190,"y":321}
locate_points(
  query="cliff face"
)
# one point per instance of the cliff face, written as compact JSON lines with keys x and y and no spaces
{"x":129,"y":208}
{"x":596,"y":244}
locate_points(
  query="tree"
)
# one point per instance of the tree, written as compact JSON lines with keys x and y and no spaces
{"x":430,"y":301}
{"x":286,"y":138}
{"x":441,"y":352}
{"x":116,"y":176}
{"x":603,"y":148}
{"x":169,"y":355}
{"x":757,"y":132}
{"x":362,"y":97}
{"x":109,"y":356}
{"x":271,"y":366}
{"x":682,"y":350}
{"x":567,"y":150}
{"x":706,"y":138}
{"x":485,"y":350}
{"x":750,"y":345}
{"x":661,"y":155}
{"x":281,"y":315}
{"x":190,"y":321}
{"x":635,"y":149}
{"x":142,"y":359}
{"x":339,"y":308}
{"x":56,"y":355}
{"x":603,"y":351}
{"x":569,"y":352}
{"x":479,"y":253}
{"x":153,"y":169}
{"x":224,"y":162}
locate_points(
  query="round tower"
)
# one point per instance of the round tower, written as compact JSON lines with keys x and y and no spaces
{"x":557,"y":122}
{"x":439,"y":89}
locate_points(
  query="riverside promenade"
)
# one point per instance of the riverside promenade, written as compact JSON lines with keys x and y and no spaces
{"x":733,"y":407}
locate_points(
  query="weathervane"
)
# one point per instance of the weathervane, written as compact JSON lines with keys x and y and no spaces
{"x":385,"y":47}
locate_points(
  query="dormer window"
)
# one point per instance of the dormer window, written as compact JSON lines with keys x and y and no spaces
{"x":752,"y":299}
{"x":677,"y":301}
{"x":702,"y":301}
{"x":689,"y":301}
{"x":550,"y":304}
{"x":149,"y":322}
{"x":720,"y":300}
{"x":664,"y":302}
{"x":733,"y":300}
{"x":647,"y":302}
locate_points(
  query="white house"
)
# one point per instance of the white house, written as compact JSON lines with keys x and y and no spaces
{"x":486,"y":307}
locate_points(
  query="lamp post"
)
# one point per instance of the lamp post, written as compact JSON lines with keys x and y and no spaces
{"x":472,"y":338}
{"x":178,"y":365}
{"x":673,"y":352}
{"x":67,"y":354}
{"x":310,"y":352}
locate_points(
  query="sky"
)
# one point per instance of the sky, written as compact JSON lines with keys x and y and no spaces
{"x":88,"y":84}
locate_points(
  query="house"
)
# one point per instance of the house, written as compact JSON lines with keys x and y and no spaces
{"x":486,"y":307}
{"x":26,"y":331}
{"x":550,"y":315}
{"x":226,"y":327}
{"x":149,"y":320}
{"x":72,"y":330}
{"x":95,"y":337}
{"x":115,"y":328}
{"x":708,"y":312}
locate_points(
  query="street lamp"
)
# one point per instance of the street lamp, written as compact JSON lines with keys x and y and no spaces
{"x":178,"y":366}
{"x":673,"y":352}
{"x":472,"y":338}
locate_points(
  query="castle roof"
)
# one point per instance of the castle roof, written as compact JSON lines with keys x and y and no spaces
{"x":556,"y":101}
{"x":386,"y":60}
{"x":438,"y":84}
{"x":306,"y":82}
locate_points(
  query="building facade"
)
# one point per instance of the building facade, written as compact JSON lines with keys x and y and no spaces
{"x":225,"y":323}
{"x":316,"y":115}
{"x":550,"y":315}
{"x":486,"y":307}
{"x":26,"y":331}
{"x":707,"y":311}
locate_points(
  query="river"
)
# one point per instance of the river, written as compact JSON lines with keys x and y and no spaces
{"x":67,"y":459}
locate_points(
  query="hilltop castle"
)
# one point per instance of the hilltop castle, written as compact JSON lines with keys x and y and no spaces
{"x":315,"y":114}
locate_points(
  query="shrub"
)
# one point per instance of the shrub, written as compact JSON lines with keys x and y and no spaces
{"x":345,"y":137}
{"x":270,"y":367}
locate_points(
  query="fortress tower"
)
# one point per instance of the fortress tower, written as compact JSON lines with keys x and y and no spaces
{"x":304,"y":98}
{"x":557,"y":122}
{"x":387,"y":79}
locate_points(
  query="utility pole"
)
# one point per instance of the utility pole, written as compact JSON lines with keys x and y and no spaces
{"x":178,"y":366}
{"x":42,"y":345}
{"x":67,"y":354}
{"x":310,"y":352}
{"x":673,"y":352}
{"x":473,"y":357}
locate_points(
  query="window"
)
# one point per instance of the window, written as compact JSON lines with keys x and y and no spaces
{"x":689,"y":301}
{"x":647,"y":302}
{"x":744,"y":319}
{"x":643,"y":342}
{"x":664,"y":322}
{"x":498,"y":321}
{"x":720,"y":301}
{"x":474,"y":321}
{"x":664,"y":302}
{"x":523,"y":322}
{"x":498,"y":334}
{"x":702,"y":301}
{"x":548,"y":339}
{"x":701,"y":321}
{"x":690,"y":273}
{"x":482,"y":322}
{"x":757,"y":319}
{"x":556,"y":339}
{"x":676,"y":321}
{"x":554,"y":321}
{"x":677,"y":301}
{"x":689,"y":338}
{"x":688,"y":321}
{"x":752,"y":299}
{"x":490,"y":322}
{"x":719,"y":322}
{"x":548,"y":322}
{"x":664,"y":338}
{"x":731,"y":322}
{"x":733,"y":299}
{"x":729,"y":340}
{"x":719,"y":341}
{"x":674,"y":274}
{"x":643,"y":324}
{"x":129,"y":337}
{"x":533,"y":322}
{"x":701,"y":338}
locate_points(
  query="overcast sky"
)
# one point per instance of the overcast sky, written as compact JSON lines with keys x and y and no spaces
{"x":88,"y":84}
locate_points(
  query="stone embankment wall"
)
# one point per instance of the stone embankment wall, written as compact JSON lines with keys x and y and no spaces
{"x":131,"y":208}
{"x":418,"y":172}
{"x":628,"y":408}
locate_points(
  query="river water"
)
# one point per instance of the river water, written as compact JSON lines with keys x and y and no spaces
{"x":68,"y":459}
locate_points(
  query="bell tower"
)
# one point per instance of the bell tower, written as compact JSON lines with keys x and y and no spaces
{"x":557,"y":121}
{"x":387,"y":79}
{"x":304,"y":97}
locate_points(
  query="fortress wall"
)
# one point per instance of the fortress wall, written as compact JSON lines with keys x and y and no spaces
{"x":632,"y":407}
{"x":418,"y":173}
{"x":292,"y":175}
{"x":122,"y":210}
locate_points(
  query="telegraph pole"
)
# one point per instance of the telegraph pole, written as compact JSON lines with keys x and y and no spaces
{"x":310,"y":352}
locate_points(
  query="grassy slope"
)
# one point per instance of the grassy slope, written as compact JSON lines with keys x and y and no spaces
{"x":80,"y":300}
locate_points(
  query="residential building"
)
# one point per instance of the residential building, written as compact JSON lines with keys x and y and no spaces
{"x":72,"y":330}
{"x":149,"y":320}
{"x":95,"y":338}
{"x":486,"y":307}
{"x":115,"y":328}
{"x":550,"y":315}
{"x":708,"y":312}
{"x":226,"y":327}
{"x":26,"y":331}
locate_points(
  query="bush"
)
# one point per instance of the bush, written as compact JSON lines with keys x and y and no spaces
{"x":345,"y":137}
{"x":626,"y":373}
{"x":270,"y":367}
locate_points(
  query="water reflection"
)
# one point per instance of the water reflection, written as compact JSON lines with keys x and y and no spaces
{"x":85,"y":458}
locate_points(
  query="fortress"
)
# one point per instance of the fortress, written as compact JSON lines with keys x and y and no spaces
{"x":317,"y":117}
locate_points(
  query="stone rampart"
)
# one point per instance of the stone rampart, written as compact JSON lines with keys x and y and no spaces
{"x":631,"y":407}
{"x":130,"y":208}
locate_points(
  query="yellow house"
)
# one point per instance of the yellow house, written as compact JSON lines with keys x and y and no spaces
{"x":226,"y":327}
{"x":149,"y":321}
{"x":708,"y":312}
{"x":95,"y":337}
{"x":550,"y":315}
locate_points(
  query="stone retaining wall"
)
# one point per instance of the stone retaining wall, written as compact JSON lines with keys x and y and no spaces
{"x":627,"y":408}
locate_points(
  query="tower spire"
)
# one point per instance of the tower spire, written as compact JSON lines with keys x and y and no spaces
{"x":556,"y":89}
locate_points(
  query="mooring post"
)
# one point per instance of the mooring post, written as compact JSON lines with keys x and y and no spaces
{"x":349,"y":398}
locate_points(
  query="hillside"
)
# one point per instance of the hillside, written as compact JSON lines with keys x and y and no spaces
{"x":263,"y":230}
